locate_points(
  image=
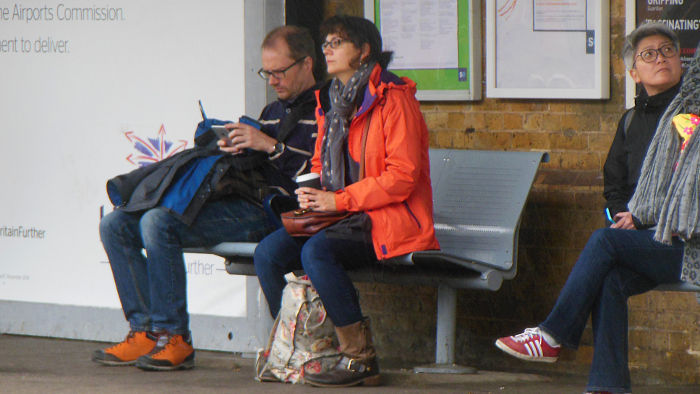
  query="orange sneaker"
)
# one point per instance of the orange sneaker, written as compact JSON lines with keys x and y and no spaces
{"x":171,"y":352}
{"x":136,"y":344}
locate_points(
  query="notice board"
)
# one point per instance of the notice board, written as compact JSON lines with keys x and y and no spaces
{"x":436,"y":43}
{"x":681,"y":16}
{"x":547,"y":49}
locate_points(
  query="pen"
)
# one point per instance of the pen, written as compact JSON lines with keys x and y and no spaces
{"x":607,"y":213}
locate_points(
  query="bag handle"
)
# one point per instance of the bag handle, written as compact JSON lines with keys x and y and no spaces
{"x":364,"y":145}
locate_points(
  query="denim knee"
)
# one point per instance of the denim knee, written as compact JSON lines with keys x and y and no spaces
{"x":155,"y":225}
{"x":310,"y":259}
{"x":602,"y":240}
{"x":112,"y":224}
{"x":601,"y":235}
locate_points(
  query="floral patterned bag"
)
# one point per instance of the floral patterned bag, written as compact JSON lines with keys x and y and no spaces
{"x":303,"y":339}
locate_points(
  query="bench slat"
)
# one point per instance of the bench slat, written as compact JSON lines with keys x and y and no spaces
{"x":680,"y":286}
{"x":478,"y":197}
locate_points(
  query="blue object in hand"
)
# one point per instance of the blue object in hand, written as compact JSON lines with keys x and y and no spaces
{"x":250,"y":121}
{"x":607,"y":213}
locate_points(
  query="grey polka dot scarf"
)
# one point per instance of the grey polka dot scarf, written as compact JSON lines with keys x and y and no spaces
{"x":343,"y":98}
{"x":671,"y":198}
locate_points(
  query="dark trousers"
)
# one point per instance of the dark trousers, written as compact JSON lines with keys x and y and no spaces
{"x":614,"y":265}
{"x":324,"y":259}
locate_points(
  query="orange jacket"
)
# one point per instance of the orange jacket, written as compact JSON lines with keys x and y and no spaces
{"x":395,"y":192}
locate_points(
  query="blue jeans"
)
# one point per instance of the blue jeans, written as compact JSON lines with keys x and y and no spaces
{"x":153,"y":288}
{"x":614,"y":265}
{"x":324,"y":260}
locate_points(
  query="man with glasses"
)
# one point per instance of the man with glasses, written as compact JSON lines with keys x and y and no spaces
{"x":152,"y":287}
{"x":617,"y":262}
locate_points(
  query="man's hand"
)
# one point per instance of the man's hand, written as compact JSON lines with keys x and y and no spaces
{"x":244,"y":136}
{"x":315,"y":199}
{"x":623,"y":220}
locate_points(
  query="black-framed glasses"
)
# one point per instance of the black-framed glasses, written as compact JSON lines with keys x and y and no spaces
{"x":279,"y":74}
{"x":333,"y":44}
{"x":650,"y":55}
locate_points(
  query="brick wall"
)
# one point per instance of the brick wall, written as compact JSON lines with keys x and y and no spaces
{"x":563,"y":210}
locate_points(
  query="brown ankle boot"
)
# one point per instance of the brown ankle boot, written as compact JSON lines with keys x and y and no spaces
{"x":358,"y":362}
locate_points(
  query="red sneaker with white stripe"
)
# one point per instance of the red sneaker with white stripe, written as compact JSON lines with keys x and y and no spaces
{"x":529,"y":346}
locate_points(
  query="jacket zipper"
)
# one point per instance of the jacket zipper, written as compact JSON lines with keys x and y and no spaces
{"x":410,"y":212}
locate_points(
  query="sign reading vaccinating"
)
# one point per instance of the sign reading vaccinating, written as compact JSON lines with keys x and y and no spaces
{"x":93,"y":89}
{"x":682,"y":16}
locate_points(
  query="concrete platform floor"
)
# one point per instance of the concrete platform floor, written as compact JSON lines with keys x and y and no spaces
{"x":49,"y":365}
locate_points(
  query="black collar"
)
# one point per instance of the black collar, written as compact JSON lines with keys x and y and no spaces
{"x":303,"y":97}
{"x":653,"y":103}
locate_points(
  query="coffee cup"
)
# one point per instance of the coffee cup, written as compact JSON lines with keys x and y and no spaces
{"x":311,"y":179}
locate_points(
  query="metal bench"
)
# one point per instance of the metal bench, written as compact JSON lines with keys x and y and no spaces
{"x":478,"y":199}
{"x":680,"y":286}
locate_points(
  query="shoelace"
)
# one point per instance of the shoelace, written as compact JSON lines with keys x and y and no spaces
{"x":530,"y":334}
{"x":163,"y":345}
{"x":125,"y":342}
{"x":164,"y":340}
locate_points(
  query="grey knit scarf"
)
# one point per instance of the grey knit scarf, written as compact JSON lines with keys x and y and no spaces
{"x":343,"y":99}
{"x":671,"y":198}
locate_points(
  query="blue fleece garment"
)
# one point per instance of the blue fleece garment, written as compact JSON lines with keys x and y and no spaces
{"x":189,"y":179}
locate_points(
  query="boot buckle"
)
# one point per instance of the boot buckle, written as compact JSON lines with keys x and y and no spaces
{"x":355,"y":365}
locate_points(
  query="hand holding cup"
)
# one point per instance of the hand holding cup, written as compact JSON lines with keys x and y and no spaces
{"x":312,"y":180}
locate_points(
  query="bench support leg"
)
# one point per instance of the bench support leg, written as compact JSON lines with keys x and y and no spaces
{"x":446,"y":325}
{"x":445,"y":336}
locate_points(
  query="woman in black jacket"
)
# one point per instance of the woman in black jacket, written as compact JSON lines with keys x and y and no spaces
{"x":651,"y":54}
{"x":617,"y":262}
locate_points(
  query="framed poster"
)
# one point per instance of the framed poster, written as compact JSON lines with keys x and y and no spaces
{"x":547,"y":49}
{"x":436,"y":43}
{"x":683,"y":17}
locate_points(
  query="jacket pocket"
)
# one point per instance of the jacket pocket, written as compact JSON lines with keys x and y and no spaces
{"x":394,"y":226}
{"x":411,"y":214}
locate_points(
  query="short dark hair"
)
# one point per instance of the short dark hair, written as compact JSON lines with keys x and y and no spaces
{"x":297,"y":38}
{"x":629,"y":49}
{"x":359,"y":31}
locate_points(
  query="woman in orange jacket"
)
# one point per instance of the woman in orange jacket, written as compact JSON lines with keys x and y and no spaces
{"x":388,"y":191}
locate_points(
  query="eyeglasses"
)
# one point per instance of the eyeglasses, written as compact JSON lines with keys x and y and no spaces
{"x":279,"y":74}
{"x":333,"y":44}
{"x":650,"y":55}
